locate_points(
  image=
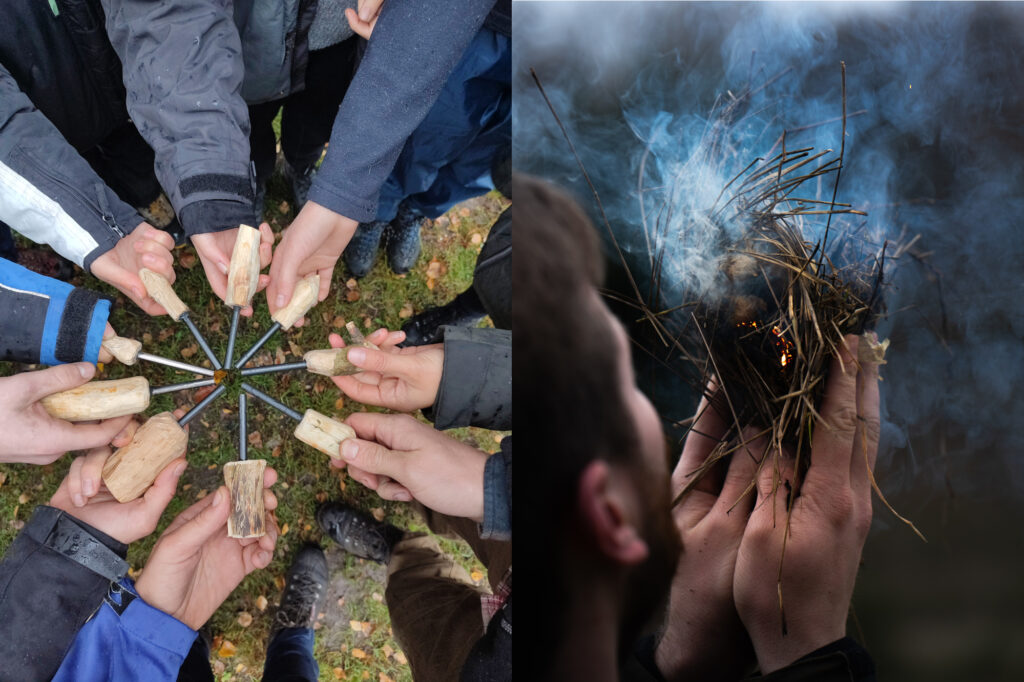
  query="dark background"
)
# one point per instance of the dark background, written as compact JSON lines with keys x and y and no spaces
{"x":937,"y":152}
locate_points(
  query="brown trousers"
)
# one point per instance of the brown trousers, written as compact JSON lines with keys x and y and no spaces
{"x":434,"y":605}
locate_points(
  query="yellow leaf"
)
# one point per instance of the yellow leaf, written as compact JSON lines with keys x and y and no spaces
{"x":240,"y":668}
{"x":359,"y":653}
{"x":475,"y":238}
{"x":245,"y":619}
{"x":388,"y":651}
{"x":339,"y":673}
{"x":378,"y":513}
{"x":356,"y":625}
{"x":261,"y":603}
{"x":400,"y":657}
{"x":477,"y":576}
{"x":227,"y":649}
{"x":23,"y":498}
{"x":284,"y":530}
{"x":383,"y":677}
{"x":406,"y":311}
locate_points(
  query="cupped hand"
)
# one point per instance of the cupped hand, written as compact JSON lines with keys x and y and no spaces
{"x":824,"y":535}
{"x":145,"y":247}
{"x":214,"y":250}
{"x":195,"y":565}
{"x":312,"y":243}
{"x":403,"y":459}
{"x":401,"y":379}
{"x":31,"y":434}
{"x":363,"y":21}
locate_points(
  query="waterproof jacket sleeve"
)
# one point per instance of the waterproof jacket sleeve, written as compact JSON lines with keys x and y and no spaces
{"x":414,"y":47}
{"x":127,"y":640}
{"x":476,"y":382}
{"x":48,"y":192}
{"x":497,"y":524}
{"x":48,"y":321}
{"x":53,"y":577}
{"x":182,"y":67}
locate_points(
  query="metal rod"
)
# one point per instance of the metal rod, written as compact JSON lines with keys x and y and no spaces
{"x":281,"y":407}
{"x":198,"y":383}
{"x":242,"y":444}
{"x":259,"y":344}
{"x":199,"y":339}
{"x":231,"y":336}
{"x":270,"y":369}
{"x":177,"y":364}
{"x":202,"y":405}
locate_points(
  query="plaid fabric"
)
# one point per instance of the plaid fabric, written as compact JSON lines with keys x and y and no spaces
{"x":490,"y":604}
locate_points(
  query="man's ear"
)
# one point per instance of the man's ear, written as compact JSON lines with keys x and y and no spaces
{"x":603,"y":513}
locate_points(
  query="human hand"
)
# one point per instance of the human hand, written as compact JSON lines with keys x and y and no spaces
{"x":704,"y":637}
{"x":403,"y":459}
{"x":195,"y":565}
{"x":312,"y":243}
{"x":831,"y":515}
{"x":145,"y":247}
{"x":362,"y":23}
{"x":105,"y":355}
{"x":214,"y":250}
{"x":402,"y":379}
{"x":31,"y":434}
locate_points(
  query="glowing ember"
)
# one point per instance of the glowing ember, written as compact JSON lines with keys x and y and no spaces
{"x":782,"y":344}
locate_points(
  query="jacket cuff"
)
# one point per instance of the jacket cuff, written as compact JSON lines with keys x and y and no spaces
{"x":476,"y":382}
{"x":497,"y":523}
{"x":841,"y":661}
{"x":214,"y":215}
{"x":153,"y":626}
{"x":359,"y":209}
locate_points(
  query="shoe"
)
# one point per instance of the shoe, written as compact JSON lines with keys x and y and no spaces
{"x":304,"y":591}
{"x":357,"y":532}
{"x":361,"y":252}
{"x":403,"y":239}
{"x":176,"y":231}
{"x":301,"y":181}
{"x":465,"y":311}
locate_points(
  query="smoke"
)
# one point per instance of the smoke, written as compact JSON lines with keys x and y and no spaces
{"x":934,"y":147}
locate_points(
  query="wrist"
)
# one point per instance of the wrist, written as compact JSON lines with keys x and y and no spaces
{"x":783,"y":650}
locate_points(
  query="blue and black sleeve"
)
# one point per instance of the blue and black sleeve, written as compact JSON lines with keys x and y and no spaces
{"x":43,"y":320}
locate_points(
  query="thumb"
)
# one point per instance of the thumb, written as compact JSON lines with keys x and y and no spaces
{"x":161,"y":492}
{"x":196,"y":531}
{"x":373,"y":458}
{"x":379,"y":361}
{"x":282,"y":282}
{"x":44,"y":382}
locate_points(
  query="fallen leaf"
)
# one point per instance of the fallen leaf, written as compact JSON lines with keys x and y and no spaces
{"x":201,"y":494}
{"x":294,"y":348}
{"x":240,"y":668}
{"x":245,"y":619}
{"x":255,"y":439}
{"x":341,"y":602}
{"x":187,"y":260}
{"x":342,"y":484}
{"x":321,"y":497}
{"x":352,"y":296}
{"x":388,"y":651}
{"x":339,"y":405}
{"x":378,"y":513}
{"x":377,"y":596}
{"x":352,"y":283}
{"x":356,"y":625}
{"x":3,"y":478}
{"x":319,"y":387}
{"x":338,"y":322}
{"x":359,"y":653}
{"x":276,"y":452}
{"x":279,"y":581}
{"x":147,"y":338}
{"x":216,"y":326}
{"x":284,"y":530}
{"x":189,"y":351}
{"x":366,"y":675}
{"x":434,"y":268}
{"x":283,"y":207}
{"x":317,"y":625}
{"x":219,"y":667}
{"x":475,"y":238}
{"x":477,"y":576}
{"x":406,"y":311}
{"x":203,"y":392}
{"x":227,"y":649}
{"x":464,"y":212}
{"x":384,"y":677}
{"x":23,"y":498}
{"x":367,"y":323}
{"x":261,"y":603}
{"x":279,"y":356}
{"x":17,"y":524}
{"x":165,"y":333}
{"x":339,"y":673}
{"x":400,"y":657}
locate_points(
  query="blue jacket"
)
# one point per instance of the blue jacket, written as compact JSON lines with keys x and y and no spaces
{"x":127,"y":640}
{"x":48,"y":321}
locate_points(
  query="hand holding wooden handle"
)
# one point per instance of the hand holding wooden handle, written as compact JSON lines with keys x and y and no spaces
{"x":160,"y":290}
{"x":244,"y":273}
{"x":132,"y":469}
{"x":323,"y":433}
{"x":245,"y":484}
{"x":303,"y":298}
{"x":124,"y":349}
{"x":99,"y":400}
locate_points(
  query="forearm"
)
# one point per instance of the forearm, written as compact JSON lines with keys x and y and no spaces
{"x":182,"y":64}
{"x":414,"y":47}
{"x":48,"y":192}
{"x":48,"y":321}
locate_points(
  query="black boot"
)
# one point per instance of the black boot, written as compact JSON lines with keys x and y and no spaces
{"x":300,"y":180}
{"x":403,"y":239}
{"x":465,"y":311}
{"x":361,"y":252}
{"x":304,"y":591}
{"x":357,"y":532}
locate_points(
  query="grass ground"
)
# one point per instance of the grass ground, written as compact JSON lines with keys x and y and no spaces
{"x":354,"y":640}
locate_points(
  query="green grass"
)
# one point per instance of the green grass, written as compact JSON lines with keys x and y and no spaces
{"x":305,"y":479}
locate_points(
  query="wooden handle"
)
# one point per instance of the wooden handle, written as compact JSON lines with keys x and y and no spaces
{"x":303,"y":298}
{"x":99,"y":400}
{"x":323,"y":433}
{"x":125,"y":350}
{"x":160,"y":289}
{"x":132,"y":469}
{"x":244,"y":273}
{"x":332,"y":362}
{"x":245,"y":483}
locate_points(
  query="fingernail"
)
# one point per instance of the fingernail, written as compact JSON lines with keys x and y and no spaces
{"x":349,"y":450}
{"x":280,"y":300}
{"x":89,"y":486}
{"x":179,"y":470}
{"x":86,"y":370}
{"x":223,"y":267}
{"x":218,"y":497}
{"x":403,"y":497}
{"x":78,"y":500}
{"x":357,"y":356}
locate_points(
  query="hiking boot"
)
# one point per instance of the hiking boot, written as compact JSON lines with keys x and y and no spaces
{"x":465,"y":311}
{"x":304,"y":591}
{"x":403,"y":239}
{"x":301,"y":181}
{"x":357,"y":532}
{"x":361,"y":252}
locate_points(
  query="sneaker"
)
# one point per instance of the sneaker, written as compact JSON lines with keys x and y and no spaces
{"x":357,"y":532}
{"x":403,"y":239}
{"x":361,"y":252}
{"x":304,"y":591}
{"x":301,"y":181}
{"x":465,"y":311}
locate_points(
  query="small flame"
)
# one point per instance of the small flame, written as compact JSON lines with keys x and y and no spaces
{"x":784,"y":359}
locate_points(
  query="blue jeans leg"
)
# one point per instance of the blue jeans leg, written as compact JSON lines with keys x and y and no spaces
{"x":290,"y":657}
